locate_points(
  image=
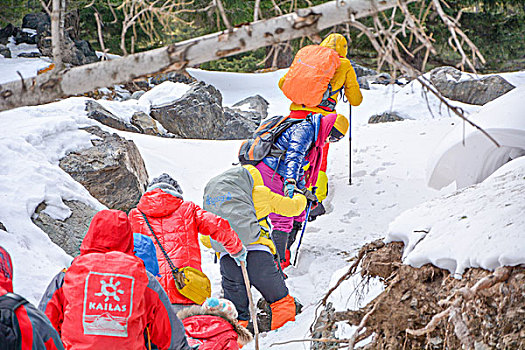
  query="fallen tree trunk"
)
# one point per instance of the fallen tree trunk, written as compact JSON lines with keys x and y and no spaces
{"x":51,"y":86}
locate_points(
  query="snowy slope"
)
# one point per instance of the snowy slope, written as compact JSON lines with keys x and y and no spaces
{"x":388,"y":178}
{"x":466,"y":156}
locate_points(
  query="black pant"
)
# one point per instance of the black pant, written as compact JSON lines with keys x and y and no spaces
{"x":263,"y":275}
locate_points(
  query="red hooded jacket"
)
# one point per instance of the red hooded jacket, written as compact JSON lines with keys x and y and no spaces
{"x":36,"y":330}
{"x":177,"y":224}
{"x":108,"y":277}
{"x":213,"y":330}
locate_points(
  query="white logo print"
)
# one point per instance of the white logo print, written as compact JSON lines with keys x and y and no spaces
{"x":104,"y":289}
{"x":107,"y":305}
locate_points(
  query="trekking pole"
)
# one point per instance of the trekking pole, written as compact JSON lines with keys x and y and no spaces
{"x":304,"y":228}
{"x":252,"y":305}
{"x":350,"y":144}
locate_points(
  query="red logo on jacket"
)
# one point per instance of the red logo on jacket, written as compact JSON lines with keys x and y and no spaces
{"x":108,"y":303}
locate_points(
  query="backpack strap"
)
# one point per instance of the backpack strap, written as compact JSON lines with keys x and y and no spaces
{"x":174,"y":270}
{"x":12,"y":301}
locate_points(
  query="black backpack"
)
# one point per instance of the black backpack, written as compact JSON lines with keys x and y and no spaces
{"x":261,"y":143}
{"x":10,"y":335}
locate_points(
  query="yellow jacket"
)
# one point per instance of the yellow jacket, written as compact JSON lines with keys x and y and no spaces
{"x":344,"y":75}
{"x":266,"y":202}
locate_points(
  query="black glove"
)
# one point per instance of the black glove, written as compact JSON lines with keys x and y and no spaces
{"x":310,"y":197}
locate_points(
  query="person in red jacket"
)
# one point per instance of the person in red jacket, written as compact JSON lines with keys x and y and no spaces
{"x":177,"y":224}
{"x":214,"y":326}
{"x":106,"y":299}
{"x":34,"y":331}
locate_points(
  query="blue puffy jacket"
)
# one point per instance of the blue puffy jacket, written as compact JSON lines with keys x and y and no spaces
{"x":145,"y":250}
{"x":296,"y":140}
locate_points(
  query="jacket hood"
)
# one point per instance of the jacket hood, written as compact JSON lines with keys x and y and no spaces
{"x":6,"y":272}
{"x":244,"y":335}
{"x":157,"y":203}
{"x":109,"y":231}
{"x":336,"y":42}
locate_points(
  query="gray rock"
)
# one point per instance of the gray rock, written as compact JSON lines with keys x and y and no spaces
{"x":385,"y":117}
{"x":67,"y":234}
{"x":239,"y":125}
{"x":27,"y":38}
{"x":97,"y":112}
{"x":7,"y":32}
{"x":175,"y":77}
{"x":198,"y":114}
{"x":113,"y":170}
{"x":4,"y":51}
{"x":454,"y":85}
{"x":145,"y":124}
{"x":361,"y":71}
{"x":256,"y":104}
{"x":2,"y":227}
{"x":75,"y":52}
{"x":30,"y":54}
{"x":39,"y":21}
{"x":363,"y":83}
{"x":136,"y":95}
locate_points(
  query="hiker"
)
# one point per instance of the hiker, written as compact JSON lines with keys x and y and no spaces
{"x":33,"y":331}
{"x":106,"y":299}
{"x":177,"y":223}
{"x":214,"y":326}
{"x":239,"y":195}
{"x":303,"y":143}
{"x":343,"y":79}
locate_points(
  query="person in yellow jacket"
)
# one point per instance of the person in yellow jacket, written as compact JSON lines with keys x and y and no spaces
{"x":344,"y":80}
{"x":239,"y":196}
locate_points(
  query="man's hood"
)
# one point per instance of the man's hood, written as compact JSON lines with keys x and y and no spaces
{"x":336,"y":42}
{"x":158,"y":203}
{"x":109,"y":231}
{"x":6,"y":272}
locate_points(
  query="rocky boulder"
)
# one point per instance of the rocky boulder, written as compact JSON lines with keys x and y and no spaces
{"x":253,"y":107}
{"x":457,"y":86}
{"x":146,"y":124}
{"x":4,"y":51}
{"x":75,"y":52}
{"x":199,"y":114}
{"x":385,"y":117}
{"x":113,"y":170}
{"x":97,"y":112}
{"x":176,"y":77}
{"x":39,"y":21}
{"x":67,"y":234}
{"x":7,"y":32}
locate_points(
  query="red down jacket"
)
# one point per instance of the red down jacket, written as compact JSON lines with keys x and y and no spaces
{"x":213,"y":330}
{"x":177,"y":224}
{"x":106,"y":299}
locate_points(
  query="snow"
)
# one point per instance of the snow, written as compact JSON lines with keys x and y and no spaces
{"x":467,"y":157}
{"x":485,"y":222}
{"x":478,"y":226}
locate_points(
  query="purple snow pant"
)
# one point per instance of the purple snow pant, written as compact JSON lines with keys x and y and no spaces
{"x":275,"y":183}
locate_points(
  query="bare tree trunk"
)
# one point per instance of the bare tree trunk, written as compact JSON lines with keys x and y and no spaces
{"x":56,"y":33}
{"x":304,"y":22}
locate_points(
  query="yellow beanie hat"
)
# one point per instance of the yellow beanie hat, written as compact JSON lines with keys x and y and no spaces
{"x":341,"y":124}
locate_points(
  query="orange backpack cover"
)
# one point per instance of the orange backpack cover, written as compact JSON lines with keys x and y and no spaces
{"x":309,"y":75}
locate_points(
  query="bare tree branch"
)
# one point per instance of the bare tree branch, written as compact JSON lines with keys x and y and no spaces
{"x":45,"y":88}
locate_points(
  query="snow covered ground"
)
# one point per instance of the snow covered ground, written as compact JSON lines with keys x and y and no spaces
{"x":388,"y":196}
